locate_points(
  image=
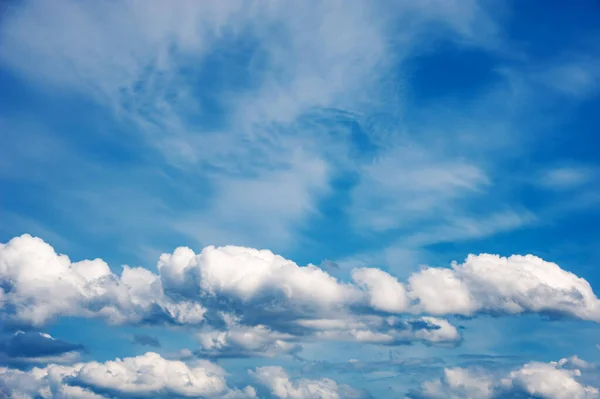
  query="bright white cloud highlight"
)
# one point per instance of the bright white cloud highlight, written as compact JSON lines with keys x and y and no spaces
{"x":386,"y":293}
{"x":37,"y":285}
{"x":490,"y":283}
{"x":248,"y":274}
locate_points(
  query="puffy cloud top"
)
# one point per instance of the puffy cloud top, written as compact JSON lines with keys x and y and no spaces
{"x":484,"y":283}
{"x":248,"y":274}
{"x":550,"y":380}
{"x":262,"y":288}
{"x":386,"y":293}
{"x":36,"y":285}
{"x":554,"y":380}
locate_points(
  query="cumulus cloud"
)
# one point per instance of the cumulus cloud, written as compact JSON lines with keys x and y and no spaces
{"x":37,"y":285}
{"x":386,"y":293}
{"x":489,"y":283}
{"x":554,"y":380}
{"x":258,"y":303}
{"x":141,"y":376}
{"x":248,"y":301}
{"x":459,"y":383}
{"x":551,"y":380}
{"x":280,"y":385}
{"x":248,"y":275}
{"x":483,"y":283}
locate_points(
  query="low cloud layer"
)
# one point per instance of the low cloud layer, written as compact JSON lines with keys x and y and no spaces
{"x":554,"y":380}
{"x":247,"y":302}
{"x":148,"y":375}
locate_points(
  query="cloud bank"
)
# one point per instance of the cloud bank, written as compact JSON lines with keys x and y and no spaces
{"x":148,"y":375}
{"x":246,"y":301}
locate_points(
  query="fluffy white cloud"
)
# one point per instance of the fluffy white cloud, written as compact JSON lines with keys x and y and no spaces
{"x":267,"y":293}
{"x":41,"y":383}
{"x":485,"y":283}
{"x":460,"y":383}
{"x":514,"y":285}
{"x":551,"y":380}
{"x":281,"y":386}
{"x":37,"y":285}
{"x":146,"y":375}
{"x":554,"y":380}
{"x":248,"y":274}
{"x":386,"y":293}
{"x":289,"y":302}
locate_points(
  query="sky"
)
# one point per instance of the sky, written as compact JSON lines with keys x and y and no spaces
{"x":299,"y":199}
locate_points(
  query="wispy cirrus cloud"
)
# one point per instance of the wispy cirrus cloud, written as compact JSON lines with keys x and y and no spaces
{"x":278,"y":63}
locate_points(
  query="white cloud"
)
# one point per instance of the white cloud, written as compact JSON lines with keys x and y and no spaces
{"x":262,"y":287}
{"x":282,"y":386}
{"x":384,"y":330}
{"x":147,"y":375}
{"x":554,"y":380}
{"x":440,"y":291}
{"x":460,"y":383}
{"x":39,"y":285}
{"x":386,"y":293}
{"x":240,"y":341}
{"x":248,"y":274}
{"x":490,"y":283}
{"x":550,"y":380}
{"x":41,"y":383}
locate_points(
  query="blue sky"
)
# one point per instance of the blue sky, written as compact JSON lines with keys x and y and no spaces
{"x":426,"y":173}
